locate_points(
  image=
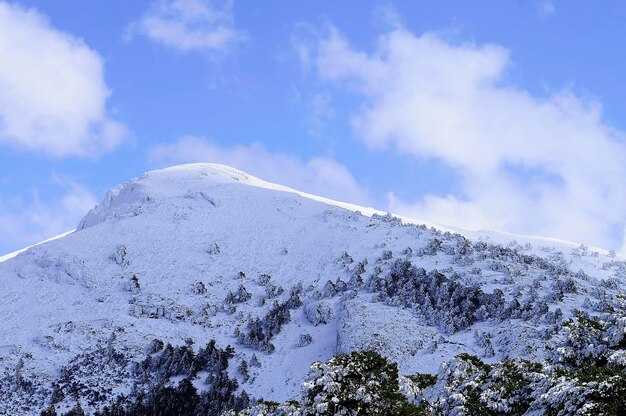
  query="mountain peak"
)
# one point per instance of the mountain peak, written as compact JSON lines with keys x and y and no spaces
{"x":183,"y":183}
{"x":157,"y":186}
{"x":215,"y":172}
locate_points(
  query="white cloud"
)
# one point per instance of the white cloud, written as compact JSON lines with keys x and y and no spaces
{"x":26,"y":221}
{"x":319,"y":176}
{"x":320,"y":114}
{"x":539,"y":165}
{"x":188,"y":25}
{"x":52,"y":90}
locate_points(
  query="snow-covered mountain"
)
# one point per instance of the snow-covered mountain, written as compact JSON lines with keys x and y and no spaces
{"x":203,"y":252}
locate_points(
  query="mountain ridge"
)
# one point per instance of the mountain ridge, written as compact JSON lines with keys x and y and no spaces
{"x":368,"y":211}
{"x":192,"y":255}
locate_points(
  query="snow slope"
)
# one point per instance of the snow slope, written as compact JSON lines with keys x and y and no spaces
{"x":157,"y":258}
{"x":15,"y":253}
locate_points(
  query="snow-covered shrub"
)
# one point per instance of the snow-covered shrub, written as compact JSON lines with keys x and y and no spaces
{"x":214,"y":249}
{"x":433,"y":247}
{"x":242,"y":369}
{"x":81,"y":376}
{"x":412,"y":388}
{"x":467,"y":386}
{"x":264,"y":279}
{"x":593,"y":341}
{"x":120,"y":255}
{"x":199,"y":288}
{"x":241,"y":295}
{"x":483,"y":340}
{"x":272,"y":291}
{"x":356,"y":278}
{"x":256,"y":336}
{"x":269,"y":409}
{"x":259,"y":332}
{"x":438,"y":299}
{"x":304,"y":340}
{"x":362,"y":383}
{"x":387,"y":218}
{"x":134,"y":285}
{"x":567,"y":285}
{"x":346,"y":259}
{"x":387,"y":255}
{"x":294,"y":301}
{"x":154,"y":396}
{"x":333,"y":288}
{"x":318,"y":312}
{"x":554,"y":317}
{"x":155,"y":346}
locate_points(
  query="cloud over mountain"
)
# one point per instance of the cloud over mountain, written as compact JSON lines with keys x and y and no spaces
{"x":542,"y":165}
{"x":319,"y":175}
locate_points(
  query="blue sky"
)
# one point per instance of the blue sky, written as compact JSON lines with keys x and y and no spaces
{"x":505,"y":115}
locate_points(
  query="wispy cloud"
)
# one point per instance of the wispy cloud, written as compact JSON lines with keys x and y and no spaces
{"x":321,"y":112}
{"x":52,"y":91}
{"x":321,"y":176}
{"x":189,"y":25}
{"x":27,"y":219}
{"x":539,"y":165}
{"x":387,"y":16}
{"x":547,"y":7}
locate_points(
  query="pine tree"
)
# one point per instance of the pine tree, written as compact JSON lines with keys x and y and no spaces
{"x":243,"y":370}
{"x":77,"y":410}
{"x":49,"y":411}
